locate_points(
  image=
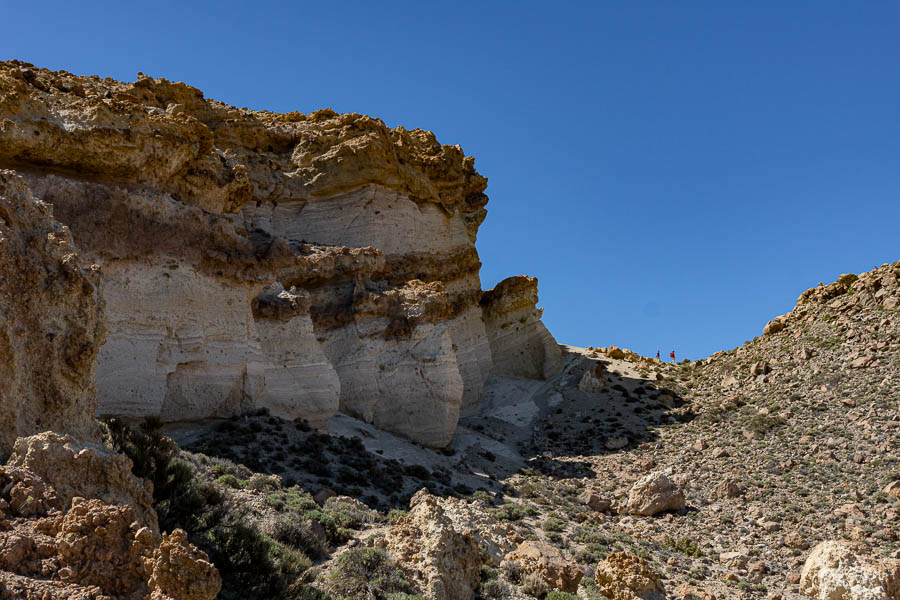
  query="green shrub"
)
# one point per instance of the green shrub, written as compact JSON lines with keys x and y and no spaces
{"x":685,"y":545}
{"x":301,"y":535}
{"x":553,"y":524}
{"x":229,"y":480}
{"x":253,"y":567}
{"x":360,"y":572}
{"x":560,"y":595}
{"x":494,"y":589}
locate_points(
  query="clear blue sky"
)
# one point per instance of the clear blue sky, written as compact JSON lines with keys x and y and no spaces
{"x":675,"y":173}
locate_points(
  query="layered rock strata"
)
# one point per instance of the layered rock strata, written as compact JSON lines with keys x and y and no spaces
{"x":51,"y":321}
{"x":302,"y":263}
{"x":520,"y":343}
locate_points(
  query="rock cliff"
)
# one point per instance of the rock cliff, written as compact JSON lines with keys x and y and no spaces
{"x":302,"y":263}
{"x":51,"y":321}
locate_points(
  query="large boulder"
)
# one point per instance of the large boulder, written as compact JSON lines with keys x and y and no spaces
{"x":52,"y":323}
{"x":835,"y":571}
{"x":76,"y":469}
{"x":624,"y":576}
{"x":443,"y":562}
{"x":652,"y":494}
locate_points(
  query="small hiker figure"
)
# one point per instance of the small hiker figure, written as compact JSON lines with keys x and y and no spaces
{"x":657,"y":356}
{"x":672,"y":355}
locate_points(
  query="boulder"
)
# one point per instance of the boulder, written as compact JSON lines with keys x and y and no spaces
{"x":594,"y":500}
{"x":615,"y":352}
{"x":624,"y":576}
{"x":727,"y":488}
{"x":593,"y":379}
{"x":760,"y":368}
{"x":775,"y":325}
{"x":548,"y":562}
{"x":445,"y":564}
{"x":652,"y":494}
{"x":835,"y":571}
{"x":180,"y":571}
{"x":76,"y":469}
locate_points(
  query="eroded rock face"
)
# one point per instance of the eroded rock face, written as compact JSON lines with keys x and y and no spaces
{"x":834,"y":571}
{"x":51,"y":321}
{"x":75,"y":469}
{"x":52,"y":548}
{"x":624,"y":576}
{"x":521,"y":345}
{"x":302,"y":263}
{"x":443,"y":542}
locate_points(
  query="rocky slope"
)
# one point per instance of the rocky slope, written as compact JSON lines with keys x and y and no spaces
{"x":768,"y":471}
{"x":302,"y":263}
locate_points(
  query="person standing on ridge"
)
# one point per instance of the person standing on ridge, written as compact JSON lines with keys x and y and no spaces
{"x":672,"y":355}
{"x":657,"y":356}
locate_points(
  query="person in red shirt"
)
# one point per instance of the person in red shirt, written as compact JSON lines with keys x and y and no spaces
{"x":672,"y":355}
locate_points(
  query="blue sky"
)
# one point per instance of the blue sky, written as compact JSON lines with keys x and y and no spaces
{"x":675,"y":173}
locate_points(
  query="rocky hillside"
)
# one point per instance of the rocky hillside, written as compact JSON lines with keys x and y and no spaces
{"x":302,"y":263}
{"x":767,"y":471}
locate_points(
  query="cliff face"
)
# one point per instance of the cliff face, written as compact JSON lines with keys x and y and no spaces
{"x":51,"y":321}
{"x":304,"y":263}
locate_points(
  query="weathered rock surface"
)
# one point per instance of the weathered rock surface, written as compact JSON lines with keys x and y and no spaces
{"x":654,"y":493}
{"x":548,"y":562}
{"x":521,"y":345}
{"x":445,"y":563}
{"x":53,"y":548}
{"x":302,"y":263}
{"x":51,"y":321}
{"x":76,"y":469}
{"x":834,"y":571}
{"x":624,"y":576}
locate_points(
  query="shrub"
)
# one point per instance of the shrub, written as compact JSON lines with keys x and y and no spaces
{"x":288,"y":530}
{"x":553,"y":524}
{"x":560,"y":595}
{"x":512,"y":571}
{"x":534,"y":585}
{"x":360,"y":572}
{"x":253,"y":567}
{"x":494,"y":589}
{"x":685,"y":545}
